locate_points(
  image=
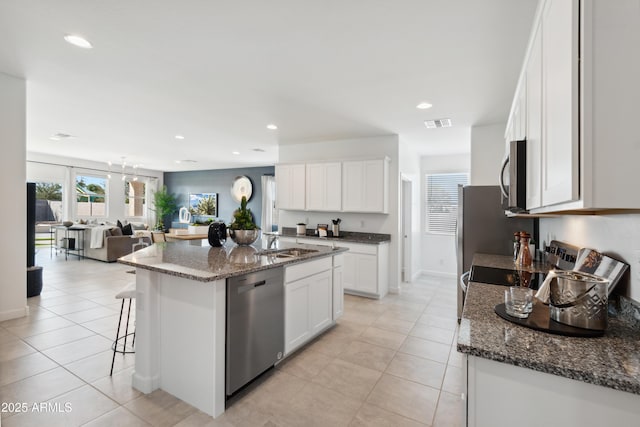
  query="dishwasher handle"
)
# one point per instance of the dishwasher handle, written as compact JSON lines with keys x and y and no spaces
{"x":246,"y":288}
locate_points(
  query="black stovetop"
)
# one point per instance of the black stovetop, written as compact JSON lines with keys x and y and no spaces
{"x":505,"y":277}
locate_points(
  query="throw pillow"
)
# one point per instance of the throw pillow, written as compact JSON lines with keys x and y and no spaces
{"x":119,"y":224}
{"x":127,"y":230}
{"x":116,"y":231}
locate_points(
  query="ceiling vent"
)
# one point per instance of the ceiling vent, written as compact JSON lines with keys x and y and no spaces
{"x":258,"y":150}
{"x":438,"y":123}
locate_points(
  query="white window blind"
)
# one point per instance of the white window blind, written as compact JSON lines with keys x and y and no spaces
{"x":442,"y":201}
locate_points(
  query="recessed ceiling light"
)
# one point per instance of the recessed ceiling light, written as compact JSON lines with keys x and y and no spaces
{"x":179,"y":136}
{"x":78,"y":41}
{"x":423,"y":106}
{"x":271,"y":126}
{"x":60,"y":136}
{"x":186,"y":161}
{"x":438,"y":123}
{"x":235,"y":152}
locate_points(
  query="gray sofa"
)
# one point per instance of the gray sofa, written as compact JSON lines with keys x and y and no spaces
{"x":113,"y":247}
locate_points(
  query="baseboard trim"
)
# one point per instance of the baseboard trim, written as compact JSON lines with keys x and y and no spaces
{"x":145,"y":384}
{"x":14,"y":314}
{"x":437,"y":274}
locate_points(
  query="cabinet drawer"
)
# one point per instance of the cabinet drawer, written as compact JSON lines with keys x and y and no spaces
{"x":305,"y":269}
{"x":312,"y":241}
{"x":360,"y":248}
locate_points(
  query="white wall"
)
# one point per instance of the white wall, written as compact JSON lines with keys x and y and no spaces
{"x":615,"y":235}
{"x":487,"y":152}
{"x":410,"y":171}
{"x":13,"y":215}
{"x":439,"y":251}
{"x":362,"y":148}
{"x":63,"y":170}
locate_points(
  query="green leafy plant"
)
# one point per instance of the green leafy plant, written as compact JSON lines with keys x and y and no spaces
{"x":165,"y":204}
{"x":243,"y":218}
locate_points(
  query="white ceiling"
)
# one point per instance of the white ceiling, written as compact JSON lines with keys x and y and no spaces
{"x":218,"y":72}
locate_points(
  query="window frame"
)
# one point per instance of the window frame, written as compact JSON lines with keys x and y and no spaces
{"x":94,"y":175}
{"x":452,"y":187}
{"x":144,"y":198}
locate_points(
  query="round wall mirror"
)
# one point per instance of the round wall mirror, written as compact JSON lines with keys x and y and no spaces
{"x":241,"y":187}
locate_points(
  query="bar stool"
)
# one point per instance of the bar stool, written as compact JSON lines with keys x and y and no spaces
{"x":127,"y":293}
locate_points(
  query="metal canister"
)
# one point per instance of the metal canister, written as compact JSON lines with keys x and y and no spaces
{"x":580,"y":300}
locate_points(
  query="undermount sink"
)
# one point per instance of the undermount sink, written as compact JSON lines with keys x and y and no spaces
{"x":290,"y":253}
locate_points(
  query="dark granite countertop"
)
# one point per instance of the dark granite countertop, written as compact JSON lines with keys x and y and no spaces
{"x":204,"y":263}
{"x":345,"y":236}
{"x":612,"y":360}
{"x":505,"y":261}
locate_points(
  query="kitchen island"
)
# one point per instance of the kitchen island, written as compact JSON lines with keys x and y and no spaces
{"x":181,"y":310}
{"x":516,"y":373}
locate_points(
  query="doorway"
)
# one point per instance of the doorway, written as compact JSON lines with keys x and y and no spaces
{"x":405,"y":247}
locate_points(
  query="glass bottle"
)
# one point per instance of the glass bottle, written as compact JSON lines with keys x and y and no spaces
{"x":516,"y":245}
{"x":524,"y":255}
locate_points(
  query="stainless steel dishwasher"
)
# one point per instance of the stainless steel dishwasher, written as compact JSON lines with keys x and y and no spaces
{"x":255,"y":326}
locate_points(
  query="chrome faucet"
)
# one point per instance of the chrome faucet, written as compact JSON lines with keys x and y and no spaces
{"x":272,"y":241}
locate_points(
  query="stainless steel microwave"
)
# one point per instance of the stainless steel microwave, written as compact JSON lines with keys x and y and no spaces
{"x":513,"y":184}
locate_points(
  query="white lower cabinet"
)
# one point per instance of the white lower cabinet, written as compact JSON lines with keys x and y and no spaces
{"x":308,"y":293}
{"x":500,"y":394}
{"x":366,"y":269}
{"x":338,"y":286}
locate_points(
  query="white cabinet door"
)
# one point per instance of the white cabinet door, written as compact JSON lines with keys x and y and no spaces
{"x":352,"y":186}
{"x":365,"y":186}
{"x":308,"y":301}
{"x":290,"y":186}
{"x":534,"y":122}
{"x":360,"y":273}
{"x":324,"y":186}
{"x":560,"y":63}
{"x":374,"y":186}
{"x":297,"y":328}
{"x":367,"y":268}
{"x":349,"y":276}
{"x":338,"y":292}
{"x":320,"y":301}
{"x":316,"y":186}
{"x":333,"y":186}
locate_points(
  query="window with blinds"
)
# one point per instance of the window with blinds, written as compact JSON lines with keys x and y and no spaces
{"x":442,"y":201}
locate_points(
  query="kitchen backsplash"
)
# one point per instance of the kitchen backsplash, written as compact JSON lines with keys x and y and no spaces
{"x":616,"y":235}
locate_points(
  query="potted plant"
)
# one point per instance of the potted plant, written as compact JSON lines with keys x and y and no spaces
{"x":200,"y":226}
{"x":165,"y":204}
{"x":243,"y":230}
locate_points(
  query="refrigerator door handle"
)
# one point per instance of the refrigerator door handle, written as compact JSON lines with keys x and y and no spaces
{"x":463,"y":280}
{"x":503,"y":188}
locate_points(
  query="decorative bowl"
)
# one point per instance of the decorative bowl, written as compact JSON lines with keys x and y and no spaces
{"x":244,"y":237}
{"x":67,"y":223}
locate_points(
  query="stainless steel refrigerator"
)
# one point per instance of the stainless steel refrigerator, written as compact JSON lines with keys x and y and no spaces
{"x":483,"y":227}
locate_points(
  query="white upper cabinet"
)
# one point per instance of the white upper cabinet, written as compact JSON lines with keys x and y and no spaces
{"x":349,"y":186}
{"x":324,"y":186}
{"x":365,"y":186}
{"x":534,"y":122}
{"x":580,"y":78}
{"x":560,"y":62}
{"x":290,"y":184}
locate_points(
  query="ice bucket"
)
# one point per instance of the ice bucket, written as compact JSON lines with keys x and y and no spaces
{"x":579,"y":299}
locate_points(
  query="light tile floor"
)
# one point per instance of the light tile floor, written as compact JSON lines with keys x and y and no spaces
{"x":391,"y":362}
